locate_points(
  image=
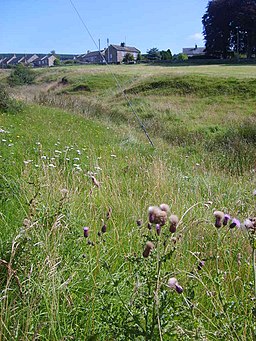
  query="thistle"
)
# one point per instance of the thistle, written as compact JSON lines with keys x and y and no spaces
{"x":173,"y":223}
{"x":86,"y":232}
{"x":226,"y":219}
{"x":165,"y":208}
{"x":174,"y":284}
{"x":148,"y":249}
{"x":235,"y":223}
{"x":156,"y":215}
{"x":219,"y":216}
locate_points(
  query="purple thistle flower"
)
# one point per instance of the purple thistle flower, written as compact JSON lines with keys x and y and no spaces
{"x":226,"y":219}
{"x":86,"y":232}
{"x":200,"y":265}
{"x":104,"y":228}
{"x":235,"y":223}
{"x":158,"y":229}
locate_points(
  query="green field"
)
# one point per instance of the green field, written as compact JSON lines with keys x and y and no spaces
{"x":76,"y":153}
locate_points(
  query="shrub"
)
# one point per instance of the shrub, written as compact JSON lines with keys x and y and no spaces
{"x":21,"y":75}
{"x":7,"y":104}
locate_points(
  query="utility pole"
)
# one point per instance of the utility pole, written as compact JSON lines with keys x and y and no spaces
{"x":108,"y":48}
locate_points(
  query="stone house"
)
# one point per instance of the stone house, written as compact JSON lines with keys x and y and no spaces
{"x":194,"y":51}
{"x":95,"y":57}
{"x":116,"y":53}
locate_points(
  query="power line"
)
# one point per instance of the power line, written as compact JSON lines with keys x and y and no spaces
{"x":114,"y":76}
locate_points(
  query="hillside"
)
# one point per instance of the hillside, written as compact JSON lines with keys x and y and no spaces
{"x":75,"y":157}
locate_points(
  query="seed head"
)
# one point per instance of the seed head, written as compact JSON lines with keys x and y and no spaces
{"x":156,"y":215}
{"x":235,"y":223}
{"x":64,"y":192}
{"x":165,"y":207}
{"x":173,"y":223}
{"x":219,"y":216}
{"x":148,"y":248}
{"x":86,"y":232}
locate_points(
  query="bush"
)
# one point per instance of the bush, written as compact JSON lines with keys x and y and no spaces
{"x":7,"y":104}
{"x":21,"y":75}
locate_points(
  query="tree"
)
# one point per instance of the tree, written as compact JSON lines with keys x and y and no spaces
{"x":230,"y":25}
{"x":153,"y":54}
{"x":128,"y":58}
{"x":166,"y":55}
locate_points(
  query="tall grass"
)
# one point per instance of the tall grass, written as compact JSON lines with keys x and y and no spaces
{"x":61,"y":172}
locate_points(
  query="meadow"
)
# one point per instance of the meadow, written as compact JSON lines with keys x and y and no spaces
{"x":78,"y":176}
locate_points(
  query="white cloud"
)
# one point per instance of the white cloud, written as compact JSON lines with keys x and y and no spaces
{"x":196,"y":36}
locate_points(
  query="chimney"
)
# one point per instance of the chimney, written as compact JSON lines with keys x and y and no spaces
{"x":195,"y":46}
{"x":123,"y":44}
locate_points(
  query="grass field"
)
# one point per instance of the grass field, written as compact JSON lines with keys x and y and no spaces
{"x":75,"y":157}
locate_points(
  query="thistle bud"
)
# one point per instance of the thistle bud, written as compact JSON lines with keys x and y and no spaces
{"x":200,"y":265}
{"x":148,"y":248}
{"x":86,"y":232}
{"x":173,"y":284}
{"x":165,"y":208}
{"x":158,"y":229}
{"x":156,"y":215}
{"x":173,"y":223}
{"x":226,"y":219}
{"x":219,"y":218}
{"x":104,"y":228}
{"x":149,"y":226}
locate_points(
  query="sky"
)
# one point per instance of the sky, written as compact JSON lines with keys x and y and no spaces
{"x":40,"y":26}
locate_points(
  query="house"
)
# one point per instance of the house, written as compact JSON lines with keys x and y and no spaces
{"x":95,"y":57}
{"x":194,"y":51}
{"x":116,"y":53}
{"x":47,"y":60}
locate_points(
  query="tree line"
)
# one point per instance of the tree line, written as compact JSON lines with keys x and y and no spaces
{"x":230,"y":26}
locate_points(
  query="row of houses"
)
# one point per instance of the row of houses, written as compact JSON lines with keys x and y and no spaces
{"x":112,"y":54}
{"x":36,"y":60}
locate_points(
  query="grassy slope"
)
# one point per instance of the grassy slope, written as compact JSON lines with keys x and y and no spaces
{"x":60,"y":287}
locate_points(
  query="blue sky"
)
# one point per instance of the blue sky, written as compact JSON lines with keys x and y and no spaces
{"x":39,"y":26}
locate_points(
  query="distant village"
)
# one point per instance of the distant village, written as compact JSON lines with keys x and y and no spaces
{"x":113,"y":54}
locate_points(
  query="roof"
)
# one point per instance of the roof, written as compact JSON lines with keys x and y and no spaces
{"x":193,"y":50}
{"x":125,"y":48}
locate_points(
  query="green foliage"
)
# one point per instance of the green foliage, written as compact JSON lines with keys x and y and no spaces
{"x":8,"y":104}
{"x":57,"y":62}
{"x":128,"y":58}
{"x":153,"y":54}
{"x":166,"y":55}
{"x":21,"y":75}
{"x":230,"y":25}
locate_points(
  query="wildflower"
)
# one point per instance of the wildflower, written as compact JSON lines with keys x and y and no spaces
{"x":248,"y":224}
{"x":254,"y":192}
{"x":226,"y":219}
{"x":173,"y":223}
{"x":200,"y":265}
{"x":219,"y":218}
{"x":148,"y":249}
{"x":86,"y":232}
{"x":165,"y":207}
{"x":235,"y":223}
{"x":173,"y":284}
{"x":157,"y":216}
{"x":104,"y":228}
{"x":158,"y":229}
